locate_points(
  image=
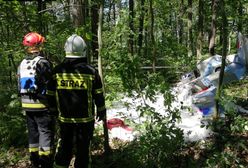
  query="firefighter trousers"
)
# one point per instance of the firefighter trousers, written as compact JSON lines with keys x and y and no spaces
{"x":79,"y":134}
{"x":41,"y":138}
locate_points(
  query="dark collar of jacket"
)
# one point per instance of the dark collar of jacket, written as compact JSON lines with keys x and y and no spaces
{"x":75,"y":60}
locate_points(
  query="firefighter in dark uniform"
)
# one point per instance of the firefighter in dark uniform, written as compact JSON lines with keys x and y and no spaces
{"x":33,"y":74}
{"x":76,"y":89}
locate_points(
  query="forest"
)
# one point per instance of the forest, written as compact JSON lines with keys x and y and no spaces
{"x":141,"y":49}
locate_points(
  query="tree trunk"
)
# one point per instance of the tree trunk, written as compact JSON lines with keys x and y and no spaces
{"x":224,"y":53}
{"x":114,"y":12}
{"x":190,"y":32}
{"x":180,"y":22}
{"x":240,"y":14}
{"x":131,"y":26}
{"x":78,"y":13}
{"x":200,"y":30}
{"x":213,"y":29}
{"x":109,"y":11}
{"x":141,"y":27}
{"x":106,"y":135}
{"x":153,"y":38}
{"x":94,"y":27}
{"x":42,"y":27}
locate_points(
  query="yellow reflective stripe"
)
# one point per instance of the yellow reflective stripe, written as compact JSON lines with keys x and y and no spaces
{"x":46,"y":153}
{"x":73,"y":53}
{"x":101,"y":108}
{"x":50,"y":93}
{"x":75,"y":120}
{"x":58,"y":145}
{"x":33,"y":149}
{"x":73,"y":88}
{"x":57,"y":102}
{"x":73,"y":81}
{"x":57,"y":148}
{"x":89,"y":93}
{"x":99,"y":91}
{"x":31,"y":105}
{"x":74,"y":76}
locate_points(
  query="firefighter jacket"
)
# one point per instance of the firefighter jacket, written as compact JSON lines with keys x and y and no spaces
{"x":76,"y":88}
{"x":33,"y":75}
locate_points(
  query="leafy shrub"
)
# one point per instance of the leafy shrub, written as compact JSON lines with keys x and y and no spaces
{"x":229,"y":146}
{"x":13,"y":124}
{"x":159,"y":141}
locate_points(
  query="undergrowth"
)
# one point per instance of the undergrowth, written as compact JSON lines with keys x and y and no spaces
{"x":160,"y":145}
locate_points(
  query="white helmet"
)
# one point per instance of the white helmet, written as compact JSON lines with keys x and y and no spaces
{"x":75,"y":47}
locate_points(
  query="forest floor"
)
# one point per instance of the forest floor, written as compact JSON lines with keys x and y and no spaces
{"x":193,"y":154}
{"x":230,"y":145}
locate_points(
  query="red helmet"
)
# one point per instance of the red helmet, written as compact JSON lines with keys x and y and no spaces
{"x":33,"y":39}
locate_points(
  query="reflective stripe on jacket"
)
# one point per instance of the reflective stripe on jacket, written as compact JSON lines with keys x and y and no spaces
{"x":76,"y":88}
{"x":34,"y":98}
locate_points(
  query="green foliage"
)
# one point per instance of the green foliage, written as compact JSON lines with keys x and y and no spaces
{"x":229,"y":147}
{"x":159,"y":142}
{"x":13,"y":124}
{"x":159,"y":146}
{"x":113,"y":88}
{"x":239,"y":125}
{"x":54,"y":48}
{"x":228,"y":158}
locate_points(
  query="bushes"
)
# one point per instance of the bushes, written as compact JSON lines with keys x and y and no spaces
{"x":159,"y":147}
{"x":13,"y":124}
{"x":159,"y":141}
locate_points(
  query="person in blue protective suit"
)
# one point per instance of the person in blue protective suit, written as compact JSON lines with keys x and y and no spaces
{"x":33,"y":74}
{"x":76,"y":89}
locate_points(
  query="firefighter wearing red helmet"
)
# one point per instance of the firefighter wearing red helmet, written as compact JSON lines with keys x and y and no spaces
{"x":33,"y":74}
{"x":33,"y":41}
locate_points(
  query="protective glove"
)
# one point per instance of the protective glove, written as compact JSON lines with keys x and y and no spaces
{"x":101,"y":115}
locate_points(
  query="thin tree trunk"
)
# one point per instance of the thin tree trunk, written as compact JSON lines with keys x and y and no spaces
{"x":131,"y":26}
{"x":114,"y":12}
{"x":41,"y":6}
{"x":94,"y":27}
{"x":153,"y":38}
{"x":224,"y":53}
{"x":213,"y":28}
{"x":200,"y":30}
{"x":240,"y":14}
{"x":106,"y":135}
{"x":141,"y":27}
{"x":180,"y":22}
{"x":8,"y":46}
{"x":109,"y":11}
{"x":86,"y":10}
{"x":2,"y":33}
{"x":190,"y":31}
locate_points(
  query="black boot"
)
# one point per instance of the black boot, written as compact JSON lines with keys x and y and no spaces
{"x":46,"y":161}
{"x":34,"y":158}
